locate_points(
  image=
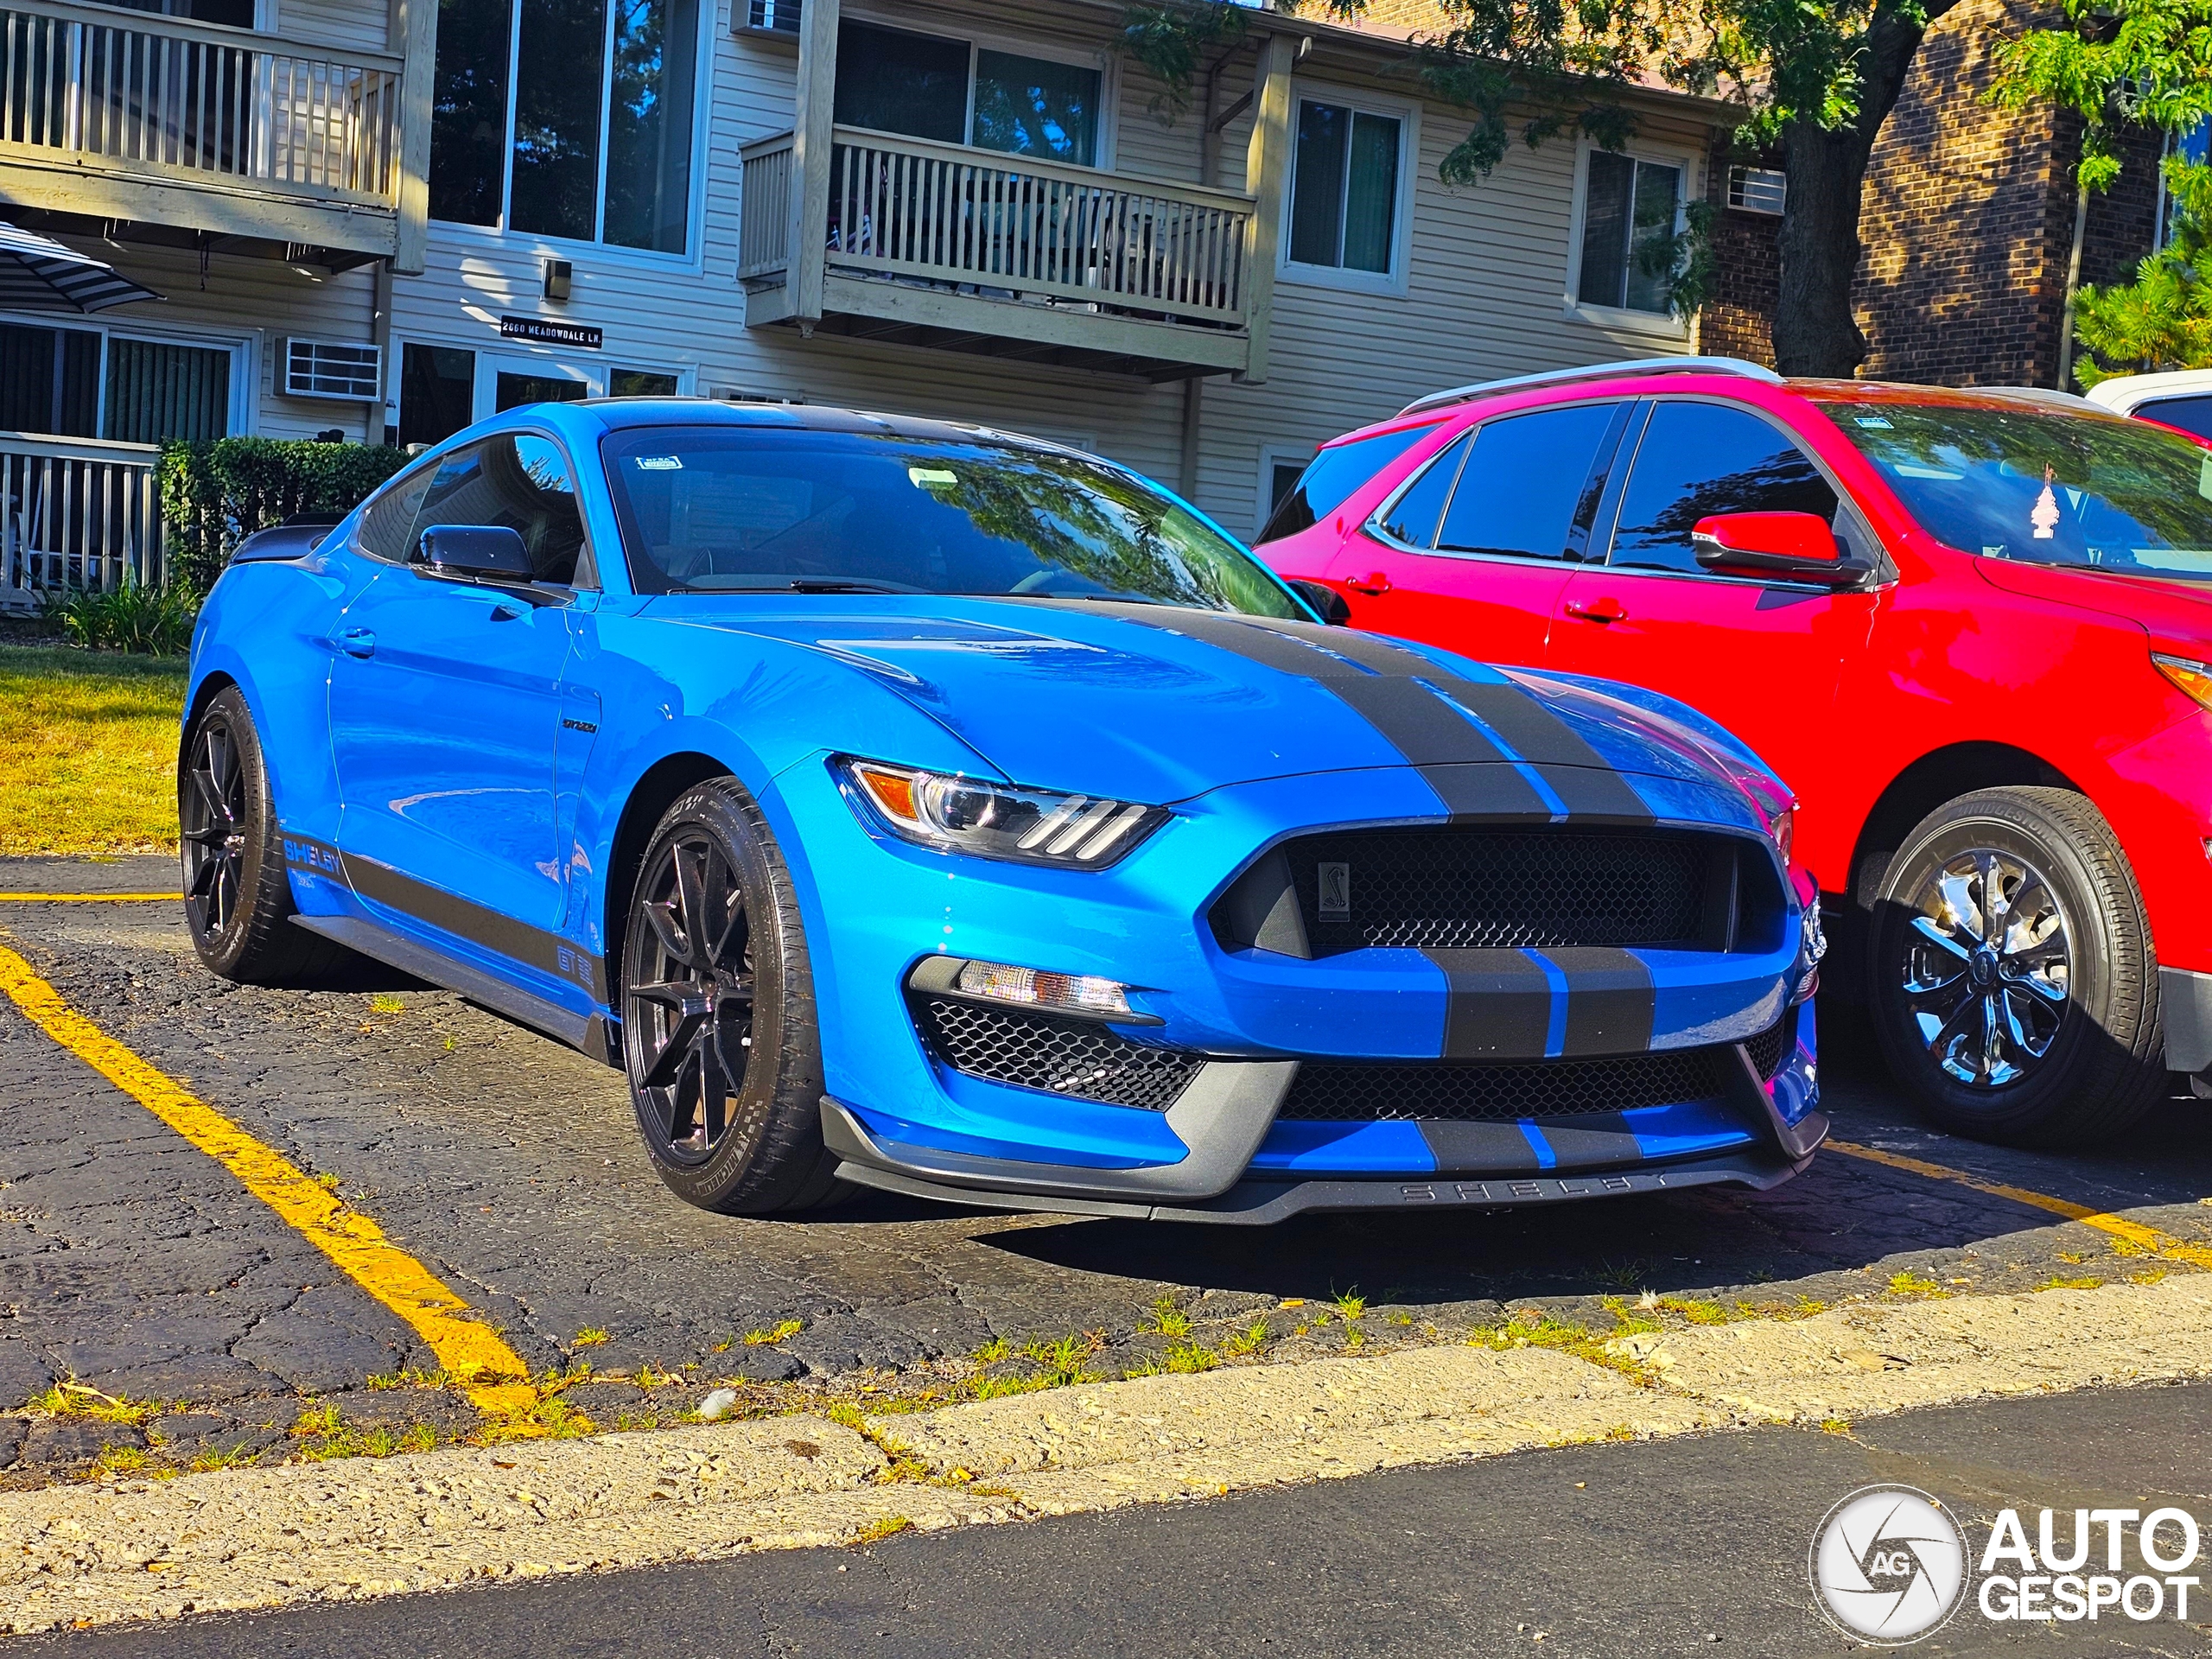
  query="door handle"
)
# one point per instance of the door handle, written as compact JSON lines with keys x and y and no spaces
{"x":1374,"y":583}
{"x":506,"y":613}
{"x":1597,"y":610}
{"x":358,"y":642}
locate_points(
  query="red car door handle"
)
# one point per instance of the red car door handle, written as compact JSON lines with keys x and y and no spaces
{"x":1597,"y":610}
{"x":1373,"y":583}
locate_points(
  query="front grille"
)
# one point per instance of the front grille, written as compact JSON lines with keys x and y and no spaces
{"x":1356,"y":1091}
{"x":1478,"y":888}
{"x":1059,"y":1056}
{"x":1768,"y":1047}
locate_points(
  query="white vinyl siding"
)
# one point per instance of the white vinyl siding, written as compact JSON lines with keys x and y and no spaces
{"x":1483,"y":271}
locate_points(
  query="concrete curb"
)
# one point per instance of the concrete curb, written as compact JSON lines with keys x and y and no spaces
{"x":363,"y":1528}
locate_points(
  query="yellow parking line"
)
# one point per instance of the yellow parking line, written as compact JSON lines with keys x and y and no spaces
{"x":87,"y":898}
{"x":2149,"y":1238}
{"x":496,"y":1378}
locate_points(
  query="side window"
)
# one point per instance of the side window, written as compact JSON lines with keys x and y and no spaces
{"x":1334,"y":475}
{"x":2192,"y":415}
{"x":1413,"y":516}
{"x":384,"y":526}
{"x":1700,"y":459}
{"x":522,"y":482}
{"x":1523,"y":490}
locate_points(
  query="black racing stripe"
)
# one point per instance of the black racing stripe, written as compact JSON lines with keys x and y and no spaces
{"x":1499,"y":1006}
{"x":1524,"y":723}
{"x":1379,"y":679}
{"x":1291,"y":648}
{"x":1596,"y":793}
{"x":1477,"y":1148}
{"x":1420,"y":725}
{"x":1493,"y":794}
{"x":1610,"y":1001}
{"x":466,"y":920}
{"x":1592,"y":1142}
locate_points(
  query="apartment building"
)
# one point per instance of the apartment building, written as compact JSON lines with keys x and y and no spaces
{"x":379,"y":220}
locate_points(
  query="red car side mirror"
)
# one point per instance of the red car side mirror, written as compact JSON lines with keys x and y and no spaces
{"x":1799,"y":546}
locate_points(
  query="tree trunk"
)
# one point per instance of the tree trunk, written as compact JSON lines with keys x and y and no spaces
{"x":1814,"y":333}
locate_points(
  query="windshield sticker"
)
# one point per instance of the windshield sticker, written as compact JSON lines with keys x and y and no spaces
{"x":1875,"y":421}
{"x":931,"y":478}
{"x":2204,"y":478}
{"x":660,"y":464}
{"x":2044,"y":517}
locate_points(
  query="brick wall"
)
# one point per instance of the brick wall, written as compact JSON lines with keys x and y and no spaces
{"x":1738,"y":320}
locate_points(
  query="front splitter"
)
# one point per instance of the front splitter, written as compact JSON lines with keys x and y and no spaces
{"x":1262,"y":1203}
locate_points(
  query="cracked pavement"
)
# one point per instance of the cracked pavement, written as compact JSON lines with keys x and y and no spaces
{"x":132,"y":1263}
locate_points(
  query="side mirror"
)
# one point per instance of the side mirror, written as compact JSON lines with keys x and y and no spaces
{"x":1798,"y":546}
{"x":473,"y":553}
{"x":1323,"y":599}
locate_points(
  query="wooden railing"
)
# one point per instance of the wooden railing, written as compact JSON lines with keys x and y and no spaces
{"x":764,"y":229}
{"x":903,"y":207}
{"x":78,"y":512}
{"x":144,"y":95}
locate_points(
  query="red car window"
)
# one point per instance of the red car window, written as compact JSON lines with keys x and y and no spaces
{"x":1696,"y":460}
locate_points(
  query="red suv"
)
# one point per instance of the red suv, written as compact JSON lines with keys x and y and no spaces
{"x":1970,"y":628}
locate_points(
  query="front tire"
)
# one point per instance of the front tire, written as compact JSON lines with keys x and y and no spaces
{"x":2012,"y":982}
{"x":719,"y":1035}
{"x":237,"y":898}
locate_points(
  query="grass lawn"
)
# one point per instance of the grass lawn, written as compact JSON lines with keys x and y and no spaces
{"x":87,"y":751}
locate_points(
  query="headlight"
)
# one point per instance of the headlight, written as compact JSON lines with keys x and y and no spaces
{"x":966,"y":815}
{"x":1782,"y":829}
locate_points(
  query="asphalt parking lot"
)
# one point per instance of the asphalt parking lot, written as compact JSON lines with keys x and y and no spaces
{"x":135,"y":1266}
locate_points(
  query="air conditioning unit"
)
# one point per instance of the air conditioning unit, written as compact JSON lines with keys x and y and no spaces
{"x":1757,"y":189}
{"x":343,"y":370}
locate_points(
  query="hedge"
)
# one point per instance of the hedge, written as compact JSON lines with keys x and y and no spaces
{"x":215,"y":494}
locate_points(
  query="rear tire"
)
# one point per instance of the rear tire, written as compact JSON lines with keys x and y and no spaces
{"x":2011,"y":978}
{"x":237,"y":898}
{"x":719,"y":1036}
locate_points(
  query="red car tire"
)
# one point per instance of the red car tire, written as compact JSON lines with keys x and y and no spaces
{"x":2012,"y":981}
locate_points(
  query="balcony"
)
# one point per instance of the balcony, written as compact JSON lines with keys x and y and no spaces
{"x":130,"y":116}
{"x":940,"y":244}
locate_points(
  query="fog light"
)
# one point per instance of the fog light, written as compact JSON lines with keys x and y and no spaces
{"x":1083,"y":991}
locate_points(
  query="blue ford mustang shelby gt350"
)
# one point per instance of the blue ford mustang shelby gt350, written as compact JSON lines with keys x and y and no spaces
{"x":912,"y":804}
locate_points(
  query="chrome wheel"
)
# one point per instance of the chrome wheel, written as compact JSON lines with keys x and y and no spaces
{"x":1986,"y":970}
{"x":688,"y":1011}
{"x":212,"y":810}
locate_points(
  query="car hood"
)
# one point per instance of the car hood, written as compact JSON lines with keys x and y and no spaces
{"x":2173,"y":613}
{"x":1158,"y":704}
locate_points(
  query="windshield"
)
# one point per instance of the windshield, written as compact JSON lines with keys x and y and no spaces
{"x":2044,"y":487}
{"x":726,"y":508}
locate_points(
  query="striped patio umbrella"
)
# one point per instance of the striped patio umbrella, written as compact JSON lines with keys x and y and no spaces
{"x":38,"y":273}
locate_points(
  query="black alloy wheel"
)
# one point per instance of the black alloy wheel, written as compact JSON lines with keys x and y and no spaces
{"x":212,"y":817}
{"x":237,"y":897}
{"x":2013,"y":980}
{"x":718,"y":1031}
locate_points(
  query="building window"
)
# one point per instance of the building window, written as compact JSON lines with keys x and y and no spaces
{"x":591,"y":138}
{"x":2193,"y":146}
{"x":1344,"y":188}
{"x":956,"y":92}
{"x":640,"y":383}
{"x":437,"y":393}
{"x":1629,"y":207}
{"x":81,"y":383}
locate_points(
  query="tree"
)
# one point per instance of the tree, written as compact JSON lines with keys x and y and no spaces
{"x":1814,"y":79}
{"x":2117,"y":63}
